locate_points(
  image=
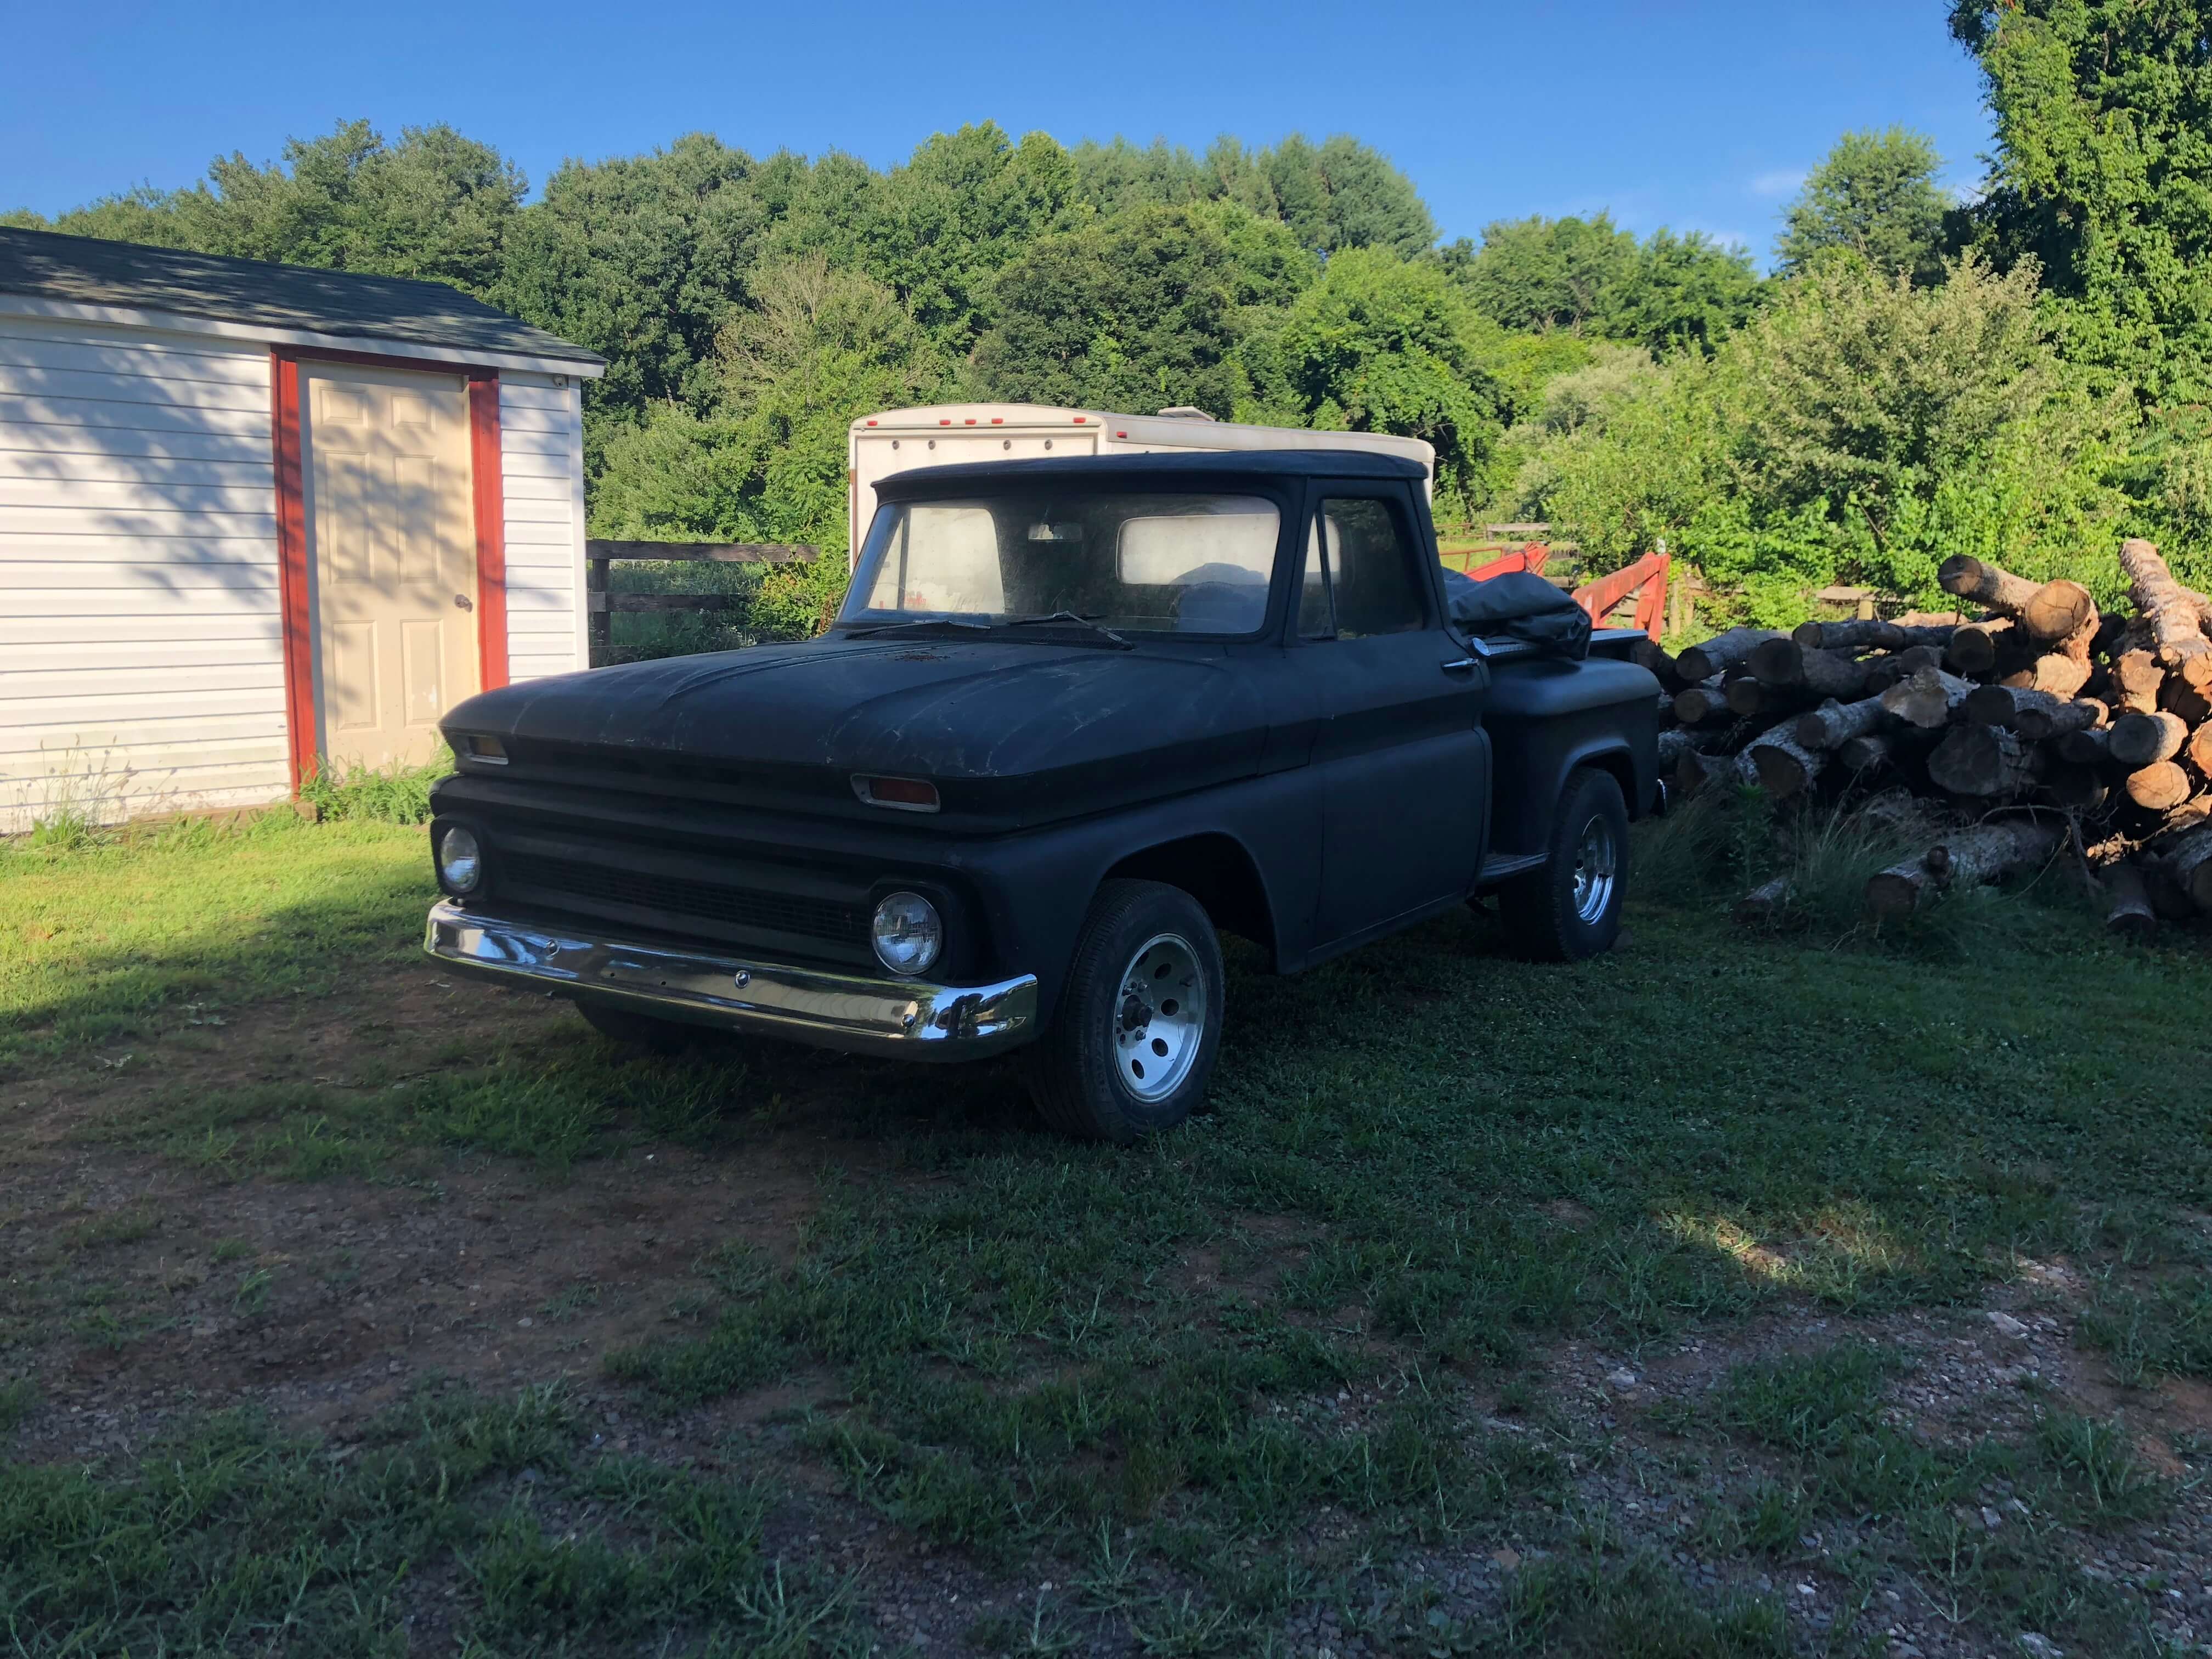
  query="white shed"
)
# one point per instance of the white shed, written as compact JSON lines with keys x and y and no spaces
{"x":260,"y":519}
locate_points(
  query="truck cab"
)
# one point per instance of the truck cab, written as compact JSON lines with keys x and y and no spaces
{"x":1076,"y":717}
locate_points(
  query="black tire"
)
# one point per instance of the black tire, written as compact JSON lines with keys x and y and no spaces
{"x":1087,"y":1073}
{"x":1550,"y":913}
{"x":636,"y":1030}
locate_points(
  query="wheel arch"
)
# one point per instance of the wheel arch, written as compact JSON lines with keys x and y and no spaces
{"x":1217,"y":870}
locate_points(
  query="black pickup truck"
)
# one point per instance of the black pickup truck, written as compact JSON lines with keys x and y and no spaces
{"x":1074,"y":717}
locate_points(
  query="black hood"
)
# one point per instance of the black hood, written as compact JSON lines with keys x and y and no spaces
{"x":992,"y":721}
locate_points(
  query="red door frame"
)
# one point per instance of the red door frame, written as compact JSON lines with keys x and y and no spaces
{"x":486,"y":486}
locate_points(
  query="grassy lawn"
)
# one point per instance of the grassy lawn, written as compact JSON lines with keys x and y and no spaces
{"x":1728,"y":1295}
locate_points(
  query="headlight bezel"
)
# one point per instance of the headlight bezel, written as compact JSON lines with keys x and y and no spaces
{"x":927,"y":920}
{"x":442,"y":832}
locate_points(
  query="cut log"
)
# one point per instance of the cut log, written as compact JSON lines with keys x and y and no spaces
{"x":1701,"y":703}
{"x":1869,"y":753}
{"x":1649,"y":654}
{"x":1673,"y":745}
{"x":1986,"y":852}
{"x":2200,"y":750}
{"x":2083,"y":789}
{"x":2159,"y":788}
{"x":2090,"y":746}
{"x":2170,"y":608}
{"x":1974,"y":646}
{"x":1748,"y":697}
{"x":2178,"y":696}
{"x":2064,"y":669}
{"x":2002,"y":705}
{"x":1784,"y":663}
{"x":1986,"y":585}
{"x":1765,"y":902}
{"x":1784,"y":766}
{"x":1868,"y":634}
{"x":1914,"y":658}
{"x":2037,"y":721}
{"x":1833,"y":724}
{"x":2130,"y":915}
{"x":2136,"y":679}
{"x":1983,"y":762}
{"x":1926,"y":699}
{"x":1695,"y":769}
{"x":2059,"y":673}
{"x":2058,"y":609}
{"x":2145,"y":739}
{"x":1729,"y":650}
{"x":2188,"y":862}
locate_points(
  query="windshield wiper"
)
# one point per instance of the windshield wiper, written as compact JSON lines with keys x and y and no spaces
{"x":919,"y":623}
{"x":1079,"y":620}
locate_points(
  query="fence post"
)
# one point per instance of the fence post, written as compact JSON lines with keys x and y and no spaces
{"x":598,"y":632}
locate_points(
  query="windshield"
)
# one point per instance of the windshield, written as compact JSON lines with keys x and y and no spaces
{"x":1165,"y":563}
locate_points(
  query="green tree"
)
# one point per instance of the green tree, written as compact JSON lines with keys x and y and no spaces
{"x":2103,"y":176}
{"x":1590,"y":277}
{"x":1133,"y":312}
{"x":1875,"y":195}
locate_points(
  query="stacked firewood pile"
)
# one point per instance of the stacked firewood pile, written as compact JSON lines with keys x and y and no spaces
{"x":2041,"y":723}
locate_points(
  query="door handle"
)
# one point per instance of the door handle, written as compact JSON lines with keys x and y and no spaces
{"x":463,"y":602}
{"x":1460,"y":667}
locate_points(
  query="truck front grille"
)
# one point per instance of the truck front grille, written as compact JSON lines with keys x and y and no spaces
{"x":677,"y":897}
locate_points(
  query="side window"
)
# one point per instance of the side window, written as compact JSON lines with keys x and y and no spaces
{"x":1359,"y":574}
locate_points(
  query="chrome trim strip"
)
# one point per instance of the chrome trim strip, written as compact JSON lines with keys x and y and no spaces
{"x":849,"y":1012}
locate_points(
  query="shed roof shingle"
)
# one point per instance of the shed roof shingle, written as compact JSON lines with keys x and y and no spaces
{"x":128,"y":276}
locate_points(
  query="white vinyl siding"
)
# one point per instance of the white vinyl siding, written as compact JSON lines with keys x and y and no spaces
{"x":142,"y":663}
{"x":541,"y":428}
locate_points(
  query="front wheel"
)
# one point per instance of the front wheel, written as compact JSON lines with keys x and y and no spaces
{"x":1132,"y":1041}
{"x":1569,"y":908}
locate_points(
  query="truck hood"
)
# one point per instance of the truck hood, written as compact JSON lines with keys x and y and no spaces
{"x":1000,"y":724}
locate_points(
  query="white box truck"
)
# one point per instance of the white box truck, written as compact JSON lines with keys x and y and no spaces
{"x":898,"y":439}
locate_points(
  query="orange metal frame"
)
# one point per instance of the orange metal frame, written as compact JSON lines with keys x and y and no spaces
{"x":1646,"y":579}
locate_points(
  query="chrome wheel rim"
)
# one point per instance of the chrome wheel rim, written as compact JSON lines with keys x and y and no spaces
{"x":1159,"y":1016}
{"x":1597,"y":868}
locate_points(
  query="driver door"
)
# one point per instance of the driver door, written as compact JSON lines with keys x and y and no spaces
{"x":1400,"y":758}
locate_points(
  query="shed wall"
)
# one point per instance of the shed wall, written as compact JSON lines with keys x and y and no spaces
{"x":141,"y":661}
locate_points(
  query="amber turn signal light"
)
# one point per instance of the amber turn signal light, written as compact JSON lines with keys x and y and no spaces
{"x":900,"y":794}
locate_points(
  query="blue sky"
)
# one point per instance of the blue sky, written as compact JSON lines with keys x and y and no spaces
{"x":1697,"y":116}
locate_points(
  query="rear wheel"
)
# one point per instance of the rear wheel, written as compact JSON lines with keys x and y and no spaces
{"x":636,"y":1030}
{"x":1133,"y":1042}
{"x":1570,"y":908}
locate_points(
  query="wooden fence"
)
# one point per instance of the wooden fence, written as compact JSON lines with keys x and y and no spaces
{"x":600,"y":604}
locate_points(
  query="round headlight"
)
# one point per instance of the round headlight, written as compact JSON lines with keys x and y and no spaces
{"x":907,"y":933}
{"x":460,"y":860}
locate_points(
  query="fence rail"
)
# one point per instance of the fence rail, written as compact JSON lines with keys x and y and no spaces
{"x":600,"y":604}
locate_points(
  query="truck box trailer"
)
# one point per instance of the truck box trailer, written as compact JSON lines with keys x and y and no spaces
{"x":899,"y":439}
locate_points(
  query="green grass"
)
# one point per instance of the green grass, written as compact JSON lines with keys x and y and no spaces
{"x":1430,"y":1165}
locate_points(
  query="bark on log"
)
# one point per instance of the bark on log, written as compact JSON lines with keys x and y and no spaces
{"x":1868,"y":634}
{"x":2175,"y":621}
{"x":1784,"y":663}
{"x":1729,"y":650}
{"x":2145,"y":739}
{"x":2037,"y":721}
{"x":1985,"y":762}
{"x":2003,"y":705}
{"x":2159,"y":788}
{"x":1974,"y":646}
{"x":1649,"y":654}
{"x":1833,"y":724}
{"x":1784,"y":766}
{"x":1765,"y":902}
{"x":1869,"y":753}
{"x":2090,"y":746}
{"x":1926,"y":699}
{"x":2130,"y":915}
{"x":2136,"y":679}
{"x":2059,"y":610}
{"x":1986,"y":585}
{"x":1914,"y":658}
{"x":2189,"y":863}
{"x":1673,"y":745}
{"x":1984,"y":853}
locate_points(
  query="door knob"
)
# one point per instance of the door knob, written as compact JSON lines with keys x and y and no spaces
{"x":463,"y":602}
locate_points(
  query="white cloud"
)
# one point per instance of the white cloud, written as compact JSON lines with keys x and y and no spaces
{"x":1781,"y":181}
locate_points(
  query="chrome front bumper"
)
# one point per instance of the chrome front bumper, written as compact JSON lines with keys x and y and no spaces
{"x":849,"y":1012}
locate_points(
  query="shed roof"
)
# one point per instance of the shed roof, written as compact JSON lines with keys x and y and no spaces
{"x":84,"y":270}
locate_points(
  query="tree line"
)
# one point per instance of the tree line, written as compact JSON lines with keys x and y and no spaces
{"x":2021,"y":376}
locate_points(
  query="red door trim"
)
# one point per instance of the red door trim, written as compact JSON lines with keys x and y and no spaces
{"x":491,"y":528}
{"x":292,"y":568}
{"x":487,"y":488}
